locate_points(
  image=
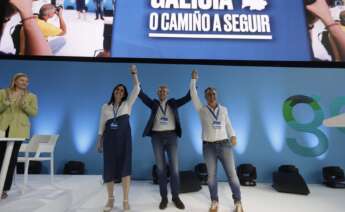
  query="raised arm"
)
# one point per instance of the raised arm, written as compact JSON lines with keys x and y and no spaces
{"x":136,"y":85}
{"x":62,"y":22}
{"x":193,"y":92}
{"x":181,"y":101}
{"x":146,"y":99}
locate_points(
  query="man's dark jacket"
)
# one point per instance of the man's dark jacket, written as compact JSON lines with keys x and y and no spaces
{"x":174,"y":104}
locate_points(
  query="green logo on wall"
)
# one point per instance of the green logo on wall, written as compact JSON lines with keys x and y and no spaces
{"x":336,"y":107}
{"x":311,"y":127}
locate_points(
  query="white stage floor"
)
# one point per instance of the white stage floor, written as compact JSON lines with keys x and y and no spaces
{"x":86,"y":194}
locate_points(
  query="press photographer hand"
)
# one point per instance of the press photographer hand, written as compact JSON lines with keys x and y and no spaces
{"x":59,"y":11}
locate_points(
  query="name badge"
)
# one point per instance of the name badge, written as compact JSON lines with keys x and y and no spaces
{"x":164,"y":120}
{"x":114,"y":125}
{"x":217,"y":125}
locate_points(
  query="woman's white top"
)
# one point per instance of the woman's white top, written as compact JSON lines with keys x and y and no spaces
{"x":107,"y":111}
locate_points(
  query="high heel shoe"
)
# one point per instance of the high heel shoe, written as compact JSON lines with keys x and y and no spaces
{"x":125,"y":205}
{"x":110,"y":205}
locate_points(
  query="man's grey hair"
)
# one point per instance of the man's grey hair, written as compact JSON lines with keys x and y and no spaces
{"x":45,"y":9}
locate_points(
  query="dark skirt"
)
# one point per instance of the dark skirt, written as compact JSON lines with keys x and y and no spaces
{"x":117,"y":149}
{"x":80,"y":5}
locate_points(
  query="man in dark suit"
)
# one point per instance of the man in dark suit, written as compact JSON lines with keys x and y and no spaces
{"x":164,"y":126}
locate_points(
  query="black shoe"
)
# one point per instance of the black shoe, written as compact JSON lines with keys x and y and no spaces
{"x":178,"y":203}
{"x":96,"y":18}
{"x":102,"y":18}
{"x":163,"y":204}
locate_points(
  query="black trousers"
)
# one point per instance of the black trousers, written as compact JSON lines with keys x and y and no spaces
{"x":13,"y":161}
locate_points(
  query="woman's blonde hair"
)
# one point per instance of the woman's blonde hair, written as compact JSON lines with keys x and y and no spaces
{"x":15,"y":77}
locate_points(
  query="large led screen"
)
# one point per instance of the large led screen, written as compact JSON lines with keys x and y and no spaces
{"x":258,"y":30}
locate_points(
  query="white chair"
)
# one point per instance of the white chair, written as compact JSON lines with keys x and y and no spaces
{"x":37,"y":145}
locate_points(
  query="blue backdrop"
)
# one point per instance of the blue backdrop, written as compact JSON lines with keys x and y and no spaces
{"x":108,"y":4}
{"x":288,"y":28}
{"x":71,"y":94}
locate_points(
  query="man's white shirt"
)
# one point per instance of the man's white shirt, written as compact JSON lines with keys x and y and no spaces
{"x":160,"y":125}
{"x":211,"y":132}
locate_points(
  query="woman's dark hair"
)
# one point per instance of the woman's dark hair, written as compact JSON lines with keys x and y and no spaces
{"x":6,"y":11}
{"x":125,"y":95}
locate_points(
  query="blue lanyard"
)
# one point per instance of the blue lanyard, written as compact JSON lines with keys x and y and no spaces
{"x":165,"y":109}
{"x":215,"y":116}
{"x":117,"y":110}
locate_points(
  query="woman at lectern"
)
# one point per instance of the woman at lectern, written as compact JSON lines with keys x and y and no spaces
{"x":17,"y":105}
{"x":115,"y":140}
